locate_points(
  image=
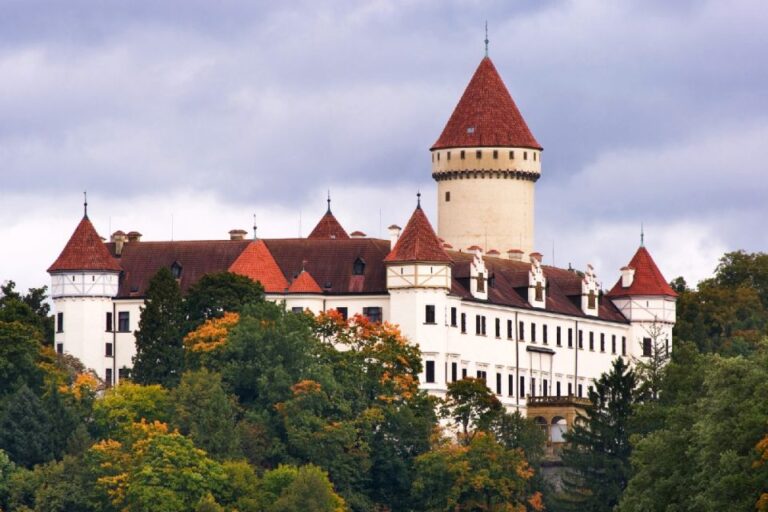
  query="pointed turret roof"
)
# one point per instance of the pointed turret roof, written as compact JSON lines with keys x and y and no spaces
{"x":257,"y":263}
{"x":329,"y":228}
{"x":418,"y":242}
{"x":304,"y":283}
{"x":85,"y":251}
{"x":647,"y":280}
{"x":486,"y":115}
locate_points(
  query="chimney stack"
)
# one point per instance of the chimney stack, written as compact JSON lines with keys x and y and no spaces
{"x":515,"y":254}
{"x":627,"y":277}
{"x":394,"y":235}
{"x":237,"y":234}
{"x":134,"y":236}
{"x":118,"y":238}
{"x":536,"y":256}
{"x":357,"y":234}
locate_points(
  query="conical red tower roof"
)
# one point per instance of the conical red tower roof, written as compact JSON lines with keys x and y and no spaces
{"x":304,"y":283}
{"x":486,"y":115}
{"x":418,"y":242}
{"x":648,"y":279}
{"x":85,"y":251}
{"x":258,"y":263}
{"x":329,"y":228}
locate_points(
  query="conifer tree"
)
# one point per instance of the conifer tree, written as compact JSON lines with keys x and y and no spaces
{"x":597,"y":455}
{"x":25,"y":432}
{"x":159,"y":348}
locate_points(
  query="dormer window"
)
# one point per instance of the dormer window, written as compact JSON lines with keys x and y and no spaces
{"x":539,"y":292}
{"x":176,"y":270}
{"x":481,"y":282}
{"x":358,"y":268}
{"x":591,"y":299}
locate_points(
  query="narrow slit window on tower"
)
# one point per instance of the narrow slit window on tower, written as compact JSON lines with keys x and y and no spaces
{"x":448,"y":155}
{"x":534,"y":156}
{"x":479,"y":154}
{"x":463,"y":154}
{"x":495,"y":154}
{"x":448,"y":197}
{"x":511,"y":155}
{"x":525,"y":155}
{"x":438,"y":156}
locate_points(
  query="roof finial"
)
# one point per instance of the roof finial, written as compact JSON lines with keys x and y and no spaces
{"x":486,"y":38}
{"x":329,"y":200}
{"x":85,"y":204}
{"x":254,"y":227}
{"x":642,"y":236}
{"x":418,"y":199}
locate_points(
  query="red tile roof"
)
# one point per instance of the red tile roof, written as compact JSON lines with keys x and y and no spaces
{"x":418,"y":242}
{"x":257,"y":263}
{"x":85,"y":251}
{"x":305,"y":283}
{"x":329,"y":228}
{"x":648,"y":279}
{"x":486,"y":115}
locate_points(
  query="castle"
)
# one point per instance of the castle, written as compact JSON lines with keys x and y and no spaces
{"x":474,"y":295}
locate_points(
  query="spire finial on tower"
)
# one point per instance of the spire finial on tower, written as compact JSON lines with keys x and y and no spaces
{"x":418,"y":199}
{"x":254,"y":227}
{"x":486,"y":38}
{"x":85,"y":204}
{"x":642,"y":236}
{"x":329,"y":200}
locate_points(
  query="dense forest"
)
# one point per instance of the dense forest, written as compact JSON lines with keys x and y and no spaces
{"x":235,"y":404}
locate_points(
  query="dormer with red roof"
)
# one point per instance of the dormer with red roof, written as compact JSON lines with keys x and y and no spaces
{"x":305,"y":284}
{"x":418,"y":259}
{"x":647,"y":300}
{"x":486,"y":162}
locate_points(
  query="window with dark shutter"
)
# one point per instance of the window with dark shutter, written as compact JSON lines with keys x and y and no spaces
{"x":430,"y":371}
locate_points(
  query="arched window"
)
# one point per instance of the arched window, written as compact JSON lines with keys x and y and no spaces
{"x":358,"y":268}
{"x":558,"y":428}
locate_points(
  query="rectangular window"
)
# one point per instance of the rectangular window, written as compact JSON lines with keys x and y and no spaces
{"x":624,"y":345}
{"x":464,"y":323}
{"x":463,"y":373}
{"x":533,"y":332}
{"x":109,"y":322}
{"x":429,"y":314}
{"x":59,"y":348}
{"x":522,"y":332}
{"x":613,"y":343}
{"x":448,"y":197}
{"x":509,"y":329}
{"x":449,"y":155}
{"x":478,"y":154}
{"x":430,"y":371}
{"x":498,"y":327}
{"x":558,"y":339}
{"x":59,"y":322}
{"x":454,"y":372}
{"x":297,"y":310}
{"x":108,"y":350}
{"x":570,"y":338}
{"x":602,"y":342}
{"x":498,"y":383}
{"x":344,"y":312}
{"x":495,"y":154}
{"x":511,"y":155}
{"x":570,"y":389}
{"x":521,"y":387}
{"x":581,"y":339}
{"x":533,"y":386}
{"x":580,"y":393}
{"x":373,"y":313}
{"x":462,"y":154}
{"x":108,"y":377}
{"x":544,"y":334}
{"x":477,"y":324}
{"x":453,"y":317}
{"x":123,"y":321}
{"x":591,"y":340}
{"x":525,"y":155}
{"x":647,"y":347}
{"x":557,"y":388}
{"x":481,"y":374}
{"x":544,"y":389}
{"x":510,"y":384}
{"x":482,"y":325}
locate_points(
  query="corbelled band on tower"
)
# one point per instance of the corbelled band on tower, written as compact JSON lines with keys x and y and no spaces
{"x":486,"y":163}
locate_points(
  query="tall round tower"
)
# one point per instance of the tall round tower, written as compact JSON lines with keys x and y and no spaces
{"x":486,"y":163}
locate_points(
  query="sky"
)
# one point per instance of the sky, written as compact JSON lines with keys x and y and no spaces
{"x":184,"y":118}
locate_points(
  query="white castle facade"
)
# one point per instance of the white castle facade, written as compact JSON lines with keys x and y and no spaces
{"x":475,"y":296}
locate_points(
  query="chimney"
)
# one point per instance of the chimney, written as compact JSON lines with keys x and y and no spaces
{"x":118,"y":238}
{"x":515,"y":254}
{"x":535,"y":256}
{"x":494,"y":253}
{"x":134,"y":236}
{"x":627,"y":277}
{"x":357,"y":234}
{"x":237,"y":234}
{"x":394,"y":234}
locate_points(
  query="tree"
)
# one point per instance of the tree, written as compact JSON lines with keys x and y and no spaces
{"x":31,"y":309}
{"x":206,"y":414}
{"x":762,"y":450}
{"x":218,"y":293}
{"x":7,"y":469}
{"x":650,"y":369}
{"x":20,"y":346}
{"x":129,"y":403}
{"x":598,"y":450}
{"x":25,"y":432}
{"x":159,"y":355}
{"x":471,"y":405}
{"x":306,"y":490}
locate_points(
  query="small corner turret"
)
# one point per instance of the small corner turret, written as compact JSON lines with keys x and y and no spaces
{"x":537,"y":283}
{"x":590,"y":292}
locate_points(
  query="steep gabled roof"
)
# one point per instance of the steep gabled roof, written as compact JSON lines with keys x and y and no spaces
{"x":257,"y":263}
{"x":85,"y":251}
{"x":329,"y":229}
{"x":486,"y":115}
{"x":418,"y":242}
{"x":648,"y":279}
{"x":304,"y":283}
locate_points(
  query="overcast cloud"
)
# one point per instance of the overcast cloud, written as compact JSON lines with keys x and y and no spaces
{"x":183,"y":118}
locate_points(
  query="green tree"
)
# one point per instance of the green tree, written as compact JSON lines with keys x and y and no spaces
{"x":598,"y":450}
{"x":470,"y":405}
{"x":31,"y":309}
{"x":302,"y":489}
{"x":25,"y":432}
{"x":128,"y":403}
{"x":218,"y":293}
{"x":20,"y":346}
{"x":7,"y":469}
{"x":206,"y":414}
{"x":159,"y":355}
